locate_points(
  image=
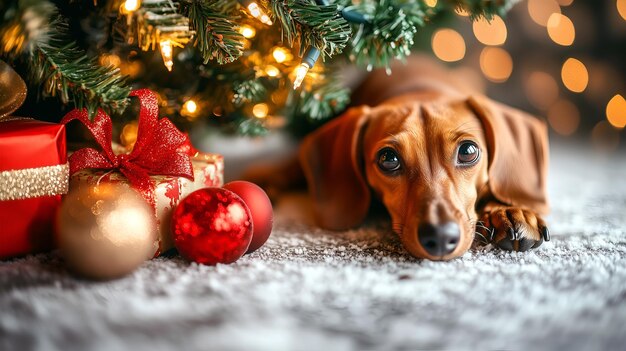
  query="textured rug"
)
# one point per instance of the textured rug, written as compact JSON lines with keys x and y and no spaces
{"x":309,"y":289}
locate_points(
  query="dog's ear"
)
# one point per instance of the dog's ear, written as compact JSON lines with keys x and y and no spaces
{"x":518,"y":154}
{"x":331,"y":159}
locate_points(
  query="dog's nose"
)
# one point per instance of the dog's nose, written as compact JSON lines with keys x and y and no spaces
{"x":439,"y":240}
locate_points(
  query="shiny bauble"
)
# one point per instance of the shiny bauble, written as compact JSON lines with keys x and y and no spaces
{"x":105,"y":231}
{"x":260,"y":207}
{"x":211,"y":226}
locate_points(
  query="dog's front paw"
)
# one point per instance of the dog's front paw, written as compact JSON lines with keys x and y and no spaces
{"x":513,"y":229}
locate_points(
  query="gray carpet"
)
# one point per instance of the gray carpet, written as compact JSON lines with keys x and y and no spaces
{"x":308,"y":289}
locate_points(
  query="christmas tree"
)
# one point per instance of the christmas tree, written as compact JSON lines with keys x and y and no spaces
{"x":238,"y":60}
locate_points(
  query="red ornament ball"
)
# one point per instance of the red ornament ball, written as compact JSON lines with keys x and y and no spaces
{"x":211,"y":226}
{"x":260,"y":207}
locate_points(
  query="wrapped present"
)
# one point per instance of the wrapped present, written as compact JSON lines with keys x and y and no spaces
{"x":162,"y":166}
{"x":33,"y":173}
{"x":33,"y":176}
{"x":167,"y":191}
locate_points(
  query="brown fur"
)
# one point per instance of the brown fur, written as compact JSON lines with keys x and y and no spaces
{"x":423,"y":115}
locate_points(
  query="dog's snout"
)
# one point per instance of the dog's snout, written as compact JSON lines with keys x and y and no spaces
{"x":439,"y":239}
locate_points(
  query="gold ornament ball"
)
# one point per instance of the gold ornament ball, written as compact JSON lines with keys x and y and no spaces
{"x":105,"y":231}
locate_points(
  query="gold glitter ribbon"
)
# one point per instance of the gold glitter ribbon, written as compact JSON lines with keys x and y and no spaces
{"x":34,"y":182}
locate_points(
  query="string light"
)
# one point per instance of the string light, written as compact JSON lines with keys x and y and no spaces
{"x":256,"y":11}
{"x":131,"y":5}
{"x":272,"y":71}
{"x":167,"y":54}
{"x":308,"y":61}
{"x":190,"y":106}
{"x":247,"y":31}
{"x":260,"y":110}
{"x":281,"y":55}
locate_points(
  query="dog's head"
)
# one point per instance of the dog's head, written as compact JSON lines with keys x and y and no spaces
{"x":432,"y":164}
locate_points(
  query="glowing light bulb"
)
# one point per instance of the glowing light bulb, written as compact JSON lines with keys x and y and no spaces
{"x":247,"y":31}
{"x":167,"y":54}
{"x":281,"y":55}
{"x":272,"y":71}
{"x":260,"y":110}
{"x":131,"y":5}
{"x":190,"y":106}
{"x":259,"y":14}
{"x":301,"y":72}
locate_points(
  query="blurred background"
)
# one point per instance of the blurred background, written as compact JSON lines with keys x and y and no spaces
{"x":561,"y":60}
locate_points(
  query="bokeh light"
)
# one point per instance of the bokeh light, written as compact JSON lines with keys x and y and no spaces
{"x":128,"y":137}
{"x":131,"y":5}
{"x":564,"y":117}
{"x":448,"y":45}
{"x":492,"y":32}
{"x":616,"y":111}
{"x":542,"y":89}
{"x":281,"y":54}
{"x":190,"y":106}
{"x":496,"y":64}
{"x":604,"y":137}
{"x":621,"y":8}
{"x":561,"y":29}
{"x":431,"y":3}
{"x":574,"y":75}
{"x":541,"y":10}
{"x":272,"y":71}
{"x":260,"y":110}
{"x":247,"y":31}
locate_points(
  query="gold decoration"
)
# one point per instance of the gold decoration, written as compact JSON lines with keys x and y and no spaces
{"x":12,"y":90}
{"x":106,"y":231}
{"x":34,"y":182}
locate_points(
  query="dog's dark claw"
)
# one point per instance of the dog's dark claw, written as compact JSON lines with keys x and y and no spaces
{"x":512,"y":234}
{"x":545,"y":233}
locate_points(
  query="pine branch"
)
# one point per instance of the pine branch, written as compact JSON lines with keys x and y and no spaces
{"x":483,"y":8}
{"x":388,"y":33}
{"x":216,"y":32}
{"x":309,"y":24}
{"x":63,"y":68}
{"x":59,"y":65}
{"x":323,"y":101}
{"x":249,"y":91}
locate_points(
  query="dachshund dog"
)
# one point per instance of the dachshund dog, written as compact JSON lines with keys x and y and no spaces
{"x":449,"y":165}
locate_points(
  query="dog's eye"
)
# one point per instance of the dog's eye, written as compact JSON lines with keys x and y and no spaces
{"x":388,"y":160}
{"x":468,"y":153}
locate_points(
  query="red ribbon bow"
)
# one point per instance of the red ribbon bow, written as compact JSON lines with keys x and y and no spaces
{"x":159,"y":150}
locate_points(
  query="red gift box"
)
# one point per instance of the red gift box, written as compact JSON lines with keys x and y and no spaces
{"x":33,"y":176}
